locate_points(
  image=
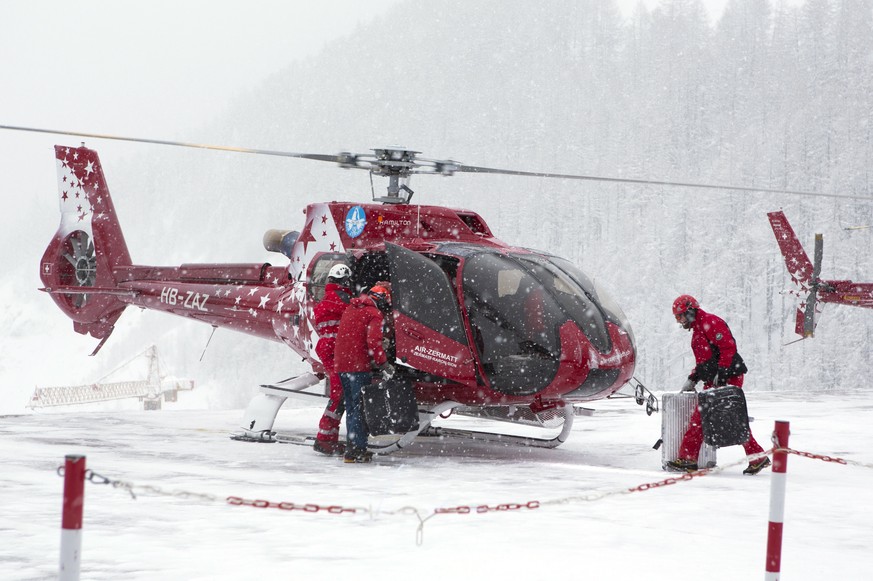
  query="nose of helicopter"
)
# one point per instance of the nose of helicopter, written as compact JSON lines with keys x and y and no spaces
{"x":585,"y":373}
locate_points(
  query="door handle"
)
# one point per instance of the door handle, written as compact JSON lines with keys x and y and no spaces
{"x":413,"y":334}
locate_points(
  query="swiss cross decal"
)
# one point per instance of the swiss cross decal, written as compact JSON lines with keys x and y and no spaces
{"x":46,"y":267}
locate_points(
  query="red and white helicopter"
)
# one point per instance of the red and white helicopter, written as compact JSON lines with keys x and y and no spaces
{"x":482,"y":328}
{"x":806,"y":276}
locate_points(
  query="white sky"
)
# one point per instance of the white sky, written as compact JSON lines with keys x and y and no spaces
{"x":153,"y":67}
{"x":157,"y":69}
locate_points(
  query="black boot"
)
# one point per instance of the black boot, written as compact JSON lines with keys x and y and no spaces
{"x":328,"y":448}
{"x":354,"y":456}
{"x":681,"y":465}
{"x":757,"y":466}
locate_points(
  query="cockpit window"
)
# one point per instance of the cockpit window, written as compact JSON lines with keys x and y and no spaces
{"x":514,"y":321}
{"x":573,"y":298}
{"x":576,"y":274}
{"x":608,"y":305}
{"x":318,"y":273}
{"x":508,"y":282}
{"x":517,"y":304}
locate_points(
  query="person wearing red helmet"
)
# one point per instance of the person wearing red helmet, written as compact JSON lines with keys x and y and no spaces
{"x":360,"y":351}
{"x":718,"y":364}
{"x":327,"y":315}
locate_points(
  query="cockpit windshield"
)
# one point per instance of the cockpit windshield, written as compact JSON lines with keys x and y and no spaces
{"x":574,"y":294}
{"x":517,"y":304}
{"x":608,"y":305}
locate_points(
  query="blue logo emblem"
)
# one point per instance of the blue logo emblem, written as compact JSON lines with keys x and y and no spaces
{"x":356,"y":219}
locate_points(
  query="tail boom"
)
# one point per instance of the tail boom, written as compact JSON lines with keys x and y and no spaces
{"x":88,"y":272}
{"x":846,"y":292}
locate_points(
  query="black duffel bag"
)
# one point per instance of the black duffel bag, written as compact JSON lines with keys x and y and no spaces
{"x":724,"y":416}
{"x":390,"y":407}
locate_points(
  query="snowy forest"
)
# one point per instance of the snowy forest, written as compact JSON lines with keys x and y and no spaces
{"x":769,"y":95}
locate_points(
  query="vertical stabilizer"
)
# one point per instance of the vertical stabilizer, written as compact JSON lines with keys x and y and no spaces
{"x":803,"y":273}
{"x":87,"y":246}
{"x":796,"y":260}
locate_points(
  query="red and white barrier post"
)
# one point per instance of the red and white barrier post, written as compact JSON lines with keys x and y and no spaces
{"x":777,"y":502}
{"x":71,"y":521}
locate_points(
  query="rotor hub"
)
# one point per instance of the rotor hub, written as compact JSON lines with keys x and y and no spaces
{"x":80,"y":265}
{"x":85,"y":271}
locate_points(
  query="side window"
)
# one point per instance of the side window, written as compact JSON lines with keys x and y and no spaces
{"x":318,"y":270}
{"x":422,"y":292}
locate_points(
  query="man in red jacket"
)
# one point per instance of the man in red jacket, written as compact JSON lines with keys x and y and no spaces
{"x":718,"y":363}
{"x":359,"y":351}
{"x":327,"y":318}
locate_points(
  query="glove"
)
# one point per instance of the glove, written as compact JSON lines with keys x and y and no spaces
{"x":387,"y":371}
{"x":694,"y":377}
{"x":689,"y":385}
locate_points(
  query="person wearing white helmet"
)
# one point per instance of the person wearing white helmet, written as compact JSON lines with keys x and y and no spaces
{"x":337,"y":294}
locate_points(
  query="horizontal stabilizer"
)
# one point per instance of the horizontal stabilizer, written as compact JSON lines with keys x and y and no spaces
{"x":90,"y":290}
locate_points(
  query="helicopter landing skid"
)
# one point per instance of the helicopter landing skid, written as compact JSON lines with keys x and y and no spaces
{"x":262,"y":410}
{"x":566,"y":412}
{"x":257,"y":424}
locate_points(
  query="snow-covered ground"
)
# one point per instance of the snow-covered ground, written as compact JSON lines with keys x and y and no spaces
{"x":713,"y":527}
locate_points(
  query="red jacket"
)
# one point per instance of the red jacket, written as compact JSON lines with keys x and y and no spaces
{"x":715,"y":350}
{"x":359,"y":340}
{"x":327,"y":317}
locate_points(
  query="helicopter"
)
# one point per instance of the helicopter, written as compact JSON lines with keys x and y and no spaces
{"x":806,"y":276}
{"x":482,"y":328}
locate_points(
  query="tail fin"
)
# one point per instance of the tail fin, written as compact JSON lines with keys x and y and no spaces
{"x":77,"y":267}
{"x":799,"y":266}
{"x":803,"y":273}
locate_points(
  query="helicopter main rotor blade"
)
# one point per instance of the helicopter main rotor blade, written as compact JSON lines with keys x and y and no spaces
{"x":383,"y":162}
{"x":312,"y":156}
{"x":475,"y":169}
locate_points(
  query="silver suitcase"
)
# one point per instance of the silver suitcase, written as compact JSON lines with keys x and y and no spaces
{"x":676,"y":410}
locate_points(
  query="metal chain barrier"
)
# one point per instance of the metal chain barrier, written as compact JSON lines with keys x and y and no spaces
{"x":333,"y":509}
{"x":824,"y":458}
{"x":485,"y":508}
{"x":133,"y":489}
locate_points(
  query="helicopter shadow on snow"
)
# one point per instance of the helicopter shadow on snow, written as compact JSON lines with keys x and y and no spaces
{"x":474,"y":453}
{"x":583,"y":448}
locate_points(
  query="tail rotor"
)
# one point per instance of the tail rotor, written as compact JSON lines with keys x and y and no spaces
{"x":81,"y":270}
{"x":810,"y":312}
